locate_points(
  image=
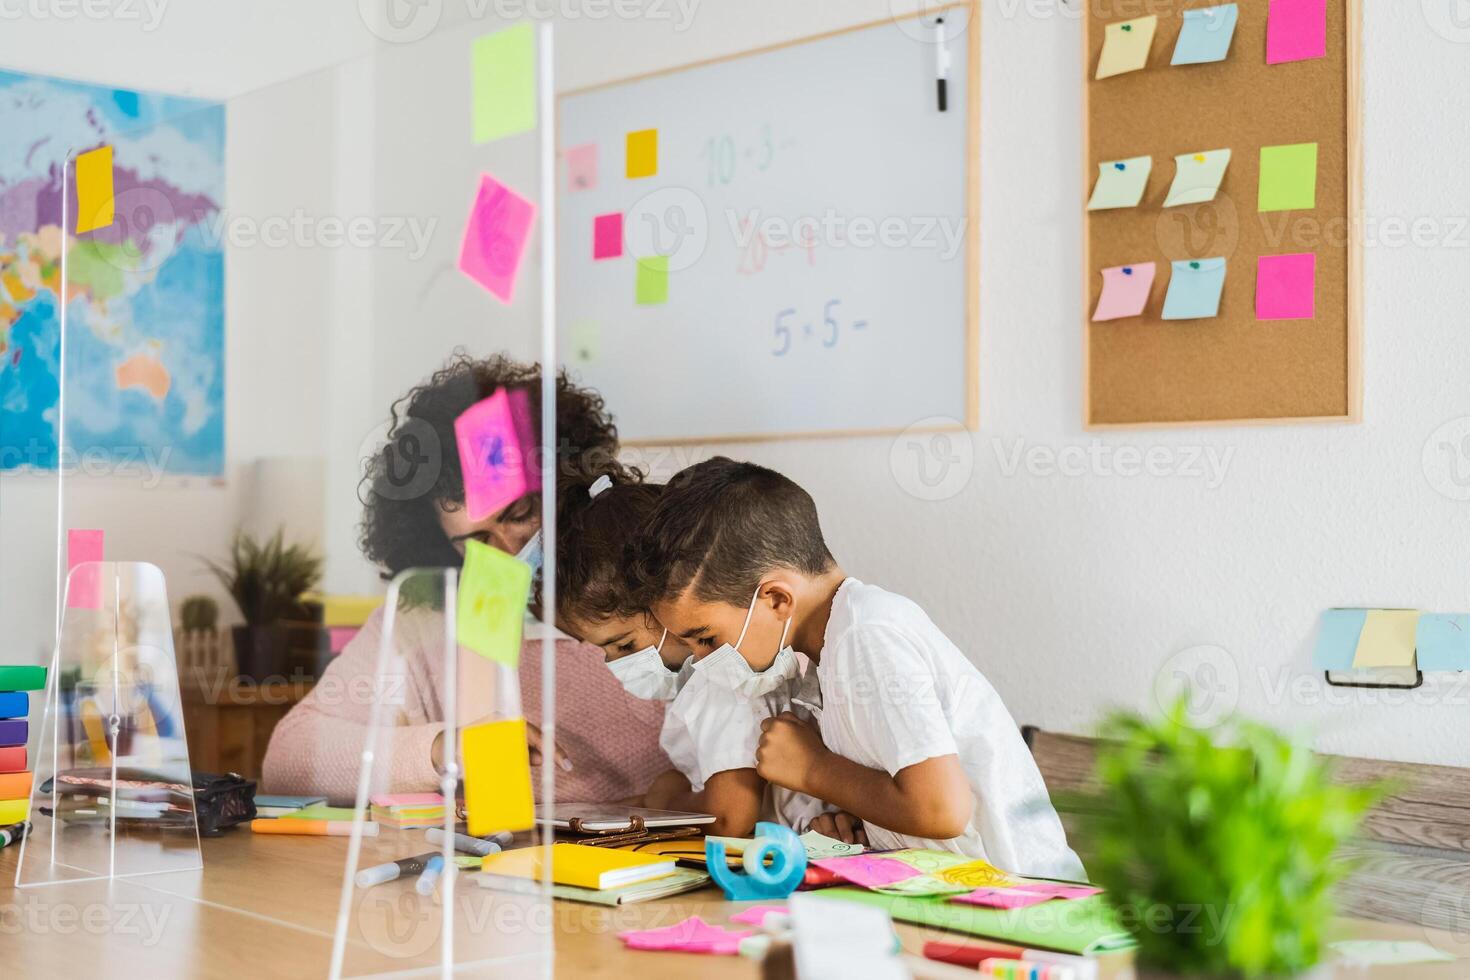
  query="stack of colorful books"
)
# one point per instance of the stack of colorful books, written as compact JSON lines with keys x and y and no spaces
{"x":409,"y":810}
{"x":15,"y":707}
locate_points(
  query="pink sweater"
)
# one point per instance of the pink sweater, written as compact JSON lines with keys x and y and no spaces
{"x":610,"y":737}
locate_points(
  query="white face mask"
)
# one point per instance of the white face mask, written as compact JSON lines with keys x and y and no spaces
{"x":645,"y":675}
{"x":727,"y":668}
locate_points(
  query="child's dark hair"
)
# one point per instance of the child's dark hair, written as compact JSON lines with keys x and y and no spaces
{"x":721,"y":525}
{"x":417,"y":470}
{"x":593,"y":534}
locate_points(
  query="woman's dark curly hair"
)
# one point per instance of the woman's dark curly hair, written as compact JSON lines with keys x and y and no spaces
{"x":417,"y":470}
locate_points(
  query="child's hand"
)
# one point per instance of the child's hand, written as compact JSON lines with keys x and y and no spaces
{"x":789,"y":750}
{"x":841,"y":825}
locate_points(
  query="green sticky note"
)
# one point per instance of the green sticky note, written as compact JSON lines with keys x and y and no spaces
{"x":504,"y":71}
{"x":586,"y":341}
{"x":337,"y":814}
{"x":1288,"y":177}
{"x":653,"y":280}
{"x":493,"y":589}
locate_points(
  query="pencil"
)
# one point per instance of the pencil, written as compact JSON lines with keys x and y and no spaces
{"x":312,"y":828}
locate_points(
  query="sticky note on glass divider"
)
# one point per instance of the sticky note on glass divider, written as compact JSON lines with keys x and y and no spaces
{"x":642,"y":154}
{"x":1194,"y":292}
{"x":497,"y":777}
{"x":1286,"y":287}
{"x":1125,"y":291}
{"x":1126,"y":45}
{"x":1288,"y":178}
{"x":1443,"y":641}
{"x":1296,"y":30}
{"x":84,"y":585}
{"x":496,"y":441}
{"x":1206,"y":35}
{"x":607,"y":236}
{"x":495,"y":238}
{"x":96,"y":203}
{"x":1197,"y":177}
{"x":503,"y":66}
{"x":652,"y":288}
{"x":1337,"y":638}
{"x":493,"y":590}
{"x":582,"y":167}
{"x":1387,"y":639}
{"x":1120,"y":183}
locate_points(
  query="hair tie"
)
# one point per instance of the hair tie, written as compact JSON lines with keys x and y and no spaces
{"x":600,"y":484}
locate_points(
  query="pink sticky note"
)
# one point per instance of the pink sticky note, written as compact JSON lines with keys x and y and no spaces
{"x":1125,"y":291}
{"x":756,"y":914}
{"x":495,"y":238}
{"x":693,"y":935}
{"x":582,"y":167}
{"x":495,"y":462}
{"x":84,"y":587}
{"x":1296,"y":30}
{"x":339,"y":636}
{"x":1002,"y":898}
{"x":1286,"y":287}
{"x":607,"y":235}
{"x":867,"y":870}
{"x":406,"y":799}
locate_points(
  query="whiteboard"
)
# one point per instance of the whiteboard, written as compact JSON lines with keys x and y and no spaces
{"x":818,"y":215}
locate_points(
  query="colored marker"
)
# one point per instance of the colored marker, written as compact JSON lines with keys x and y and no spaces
{"x":469,"y":845}
{"x":14,"y":833}
{"x":379,"y":873}
{"x":430,"y":877}
{"x":310,"y":828}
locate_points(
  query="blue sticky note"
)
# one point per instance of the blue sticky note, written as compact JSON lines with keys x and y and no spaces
{"x":1194,"y":289}
{"x":1443,"y":641}
{"x":1206,"y":35}
{"x":1337,"y":643}
{"x":14,"y":704}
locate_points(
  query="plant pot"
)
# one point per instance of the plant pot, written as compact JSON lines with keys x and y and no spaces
{"x":260,"y":652}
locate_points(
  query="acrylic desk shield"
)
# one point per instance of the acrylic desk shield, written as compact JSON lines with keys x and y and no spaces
{"x":401,"y":925}
{"x":112,"y":795}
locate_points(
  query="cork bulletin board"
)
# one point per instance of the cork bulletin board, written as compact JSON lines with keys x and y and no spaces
{"x":1233,"y":367}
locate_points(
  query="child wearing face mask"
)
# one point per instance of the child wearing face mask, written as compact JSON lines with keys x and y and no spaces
{"x":710,"y":731}
{"x":910,"y":737}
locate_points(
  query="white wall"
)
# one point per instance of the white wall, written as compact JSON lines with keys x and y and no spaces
{"x":1072,"y":592}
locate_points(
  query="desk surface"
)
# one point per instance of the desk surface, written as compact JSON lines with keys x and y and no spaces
{"x":273,"y":900}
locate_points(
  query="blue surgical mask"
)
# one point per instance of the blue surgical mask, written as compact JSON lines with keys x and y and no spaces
{"x":531,"y":554}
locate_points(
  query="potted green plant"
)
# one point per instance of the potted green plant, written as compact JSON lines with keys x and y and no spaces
{"x":266,"y":580}
{"x":1217,"y":848}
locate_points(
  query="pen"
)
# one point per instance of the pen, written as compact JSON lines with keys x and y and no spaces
{"x":941,"y":64}
{"x":14,"y":833}
{"x":310,"y":828}
{"x":430,"y":877}
{"x":379,"y":873}
{"x":470,"y":845}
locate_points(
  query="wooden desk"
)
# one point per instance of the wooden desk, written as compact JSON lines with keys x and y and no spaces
{"x":267,"y":905}
{"x":229,"y":720}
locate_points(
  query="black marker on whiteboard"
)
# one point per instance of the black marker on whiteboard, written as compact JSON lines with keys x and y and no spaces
{"x":941,"y":64}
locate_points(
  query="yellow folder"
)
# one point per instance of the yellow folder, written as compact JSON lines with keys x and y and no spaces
{"x":580,"y":865}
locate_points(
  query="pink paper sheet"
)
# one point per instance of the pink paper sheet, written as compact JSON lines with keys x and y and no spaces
{"x":607,"y":236}
{"x":495,"y":238}
{"x":756,"y":914}
{"x":83,"y":590}
{"x":1296,"y":30}
{"x":868,"y":870}
{"x":1125,"y":291}
{"x":490,"y":456}
{"x":1024,"y":895}
{"x":582,"y":167}
{"x":693,"y":935}
{"x":1286,"y":287}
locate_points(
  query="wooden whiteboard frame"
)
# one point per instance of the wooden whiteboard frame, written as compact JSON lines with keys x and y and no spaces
{"x":1354,"y":159}
{"x":972,"y":222}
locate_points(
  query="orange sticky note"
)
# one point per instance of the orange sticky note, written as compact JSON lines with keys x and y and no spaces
{"x":95,"y":204}
{"x":497,"y":777}
{"x":642,"y":153}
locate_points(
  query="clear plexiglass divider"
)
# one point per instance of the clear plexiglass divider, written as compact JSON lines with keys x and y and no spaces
{"x":399,"y":910}
{"x":112,"y":795}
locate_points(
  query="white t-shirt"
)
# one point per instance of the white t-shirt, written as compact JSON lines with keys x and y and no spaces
{"x":896,"y":691}
{"x":709,"y":728}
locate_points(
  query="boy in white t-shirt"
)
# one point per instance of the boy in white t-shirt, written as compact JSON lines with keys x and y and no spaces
{"x":710,"y":732}
{"x":911,"y":738}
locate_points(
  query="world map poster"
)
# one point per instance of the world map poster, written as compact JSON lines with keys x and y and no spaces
{"x":145,"y":380}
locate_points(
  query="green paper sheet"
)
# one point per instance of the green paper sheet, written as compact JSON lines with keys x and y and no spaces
{"x":22,"y":678}
{"x":504,"y":74}
{"x":493,"y":588}
{"x":1375,"y":952}
{"x":1081,"y":926}
{"x":653,"y":281}
{"x":1288,"y":178}
{"x":334,"y":813}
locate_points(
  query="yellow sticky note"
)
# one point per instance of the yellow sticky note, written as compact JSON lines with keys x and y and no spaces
{"x":504,"y":75}
{"x":976,"y":874}
{"x":493,"y":589}
{"x":1387,"y":639}
{"x":1125,"y":46}
{"x":642,"y":153}
{"x":497,"y":777}
{"x":95,"y":203}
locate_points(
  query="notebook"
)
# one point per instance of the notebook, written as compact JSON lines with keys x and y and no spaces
{"x":675,"y":883}
{"x":580,"y":865}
